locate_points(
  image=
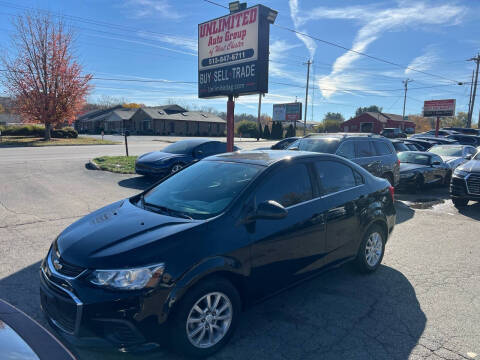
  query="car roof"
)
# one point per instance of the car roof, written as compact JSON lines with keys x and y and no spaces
{"x":344,"y":135}
{"x":267,"y":157}
{"x":418,"y":153}
{"x":196,"y":141}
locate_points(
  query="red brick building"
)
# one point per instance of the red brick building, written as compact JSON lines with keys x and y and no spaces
{"x":375,"y":122}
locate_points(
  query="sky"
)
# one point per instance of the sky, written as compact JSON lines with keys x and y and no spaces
{"x":157,"y":40}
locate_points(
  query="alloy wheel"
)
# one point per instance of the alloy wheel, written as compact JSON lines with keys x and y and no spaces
{"x":373,"y":249}
{"x":209,"y":320}
{"x":176,"y":167}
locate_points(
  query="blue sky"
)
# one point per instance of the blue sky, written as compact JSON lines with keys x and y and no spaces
{"x":156,"y":39}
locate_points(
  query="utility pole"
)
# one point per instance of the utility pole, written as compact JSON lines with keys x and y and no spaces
{"x":258,"y":119}
{"x":308,"y":63}
{"x":470,"y":96}
{"x":470,"y":112}
{"x":405,"y":82}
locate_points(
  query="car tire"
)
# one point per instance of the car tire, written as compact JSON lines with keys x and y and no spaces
{"x":187,"y":315}
{"x":176,"y":168}
{"x":458,"y":202}
{"x":372,"y":248}
{"x":448,"y":177}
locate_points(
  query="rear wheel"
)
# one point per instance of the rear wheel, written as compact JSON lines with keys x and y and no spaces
{"x":371,"y":250}
{"x":206,"y":318}
{"x":459,"y":202}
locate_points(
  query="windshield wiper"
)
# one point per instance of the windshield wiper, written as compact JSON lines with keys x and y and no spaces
{"x":167,"y":211}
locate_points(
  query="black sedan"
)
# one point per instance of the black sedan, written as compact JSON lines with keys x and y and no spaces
{"x":177,"y":155}
{"x":180,"y":260}
{"x":418,"y":169}
{"x":282,"y":144}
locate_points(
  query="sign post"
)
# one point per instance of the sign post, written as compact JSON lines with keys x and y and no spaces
{"x":233,"y":52}
{"x":438,"y":108}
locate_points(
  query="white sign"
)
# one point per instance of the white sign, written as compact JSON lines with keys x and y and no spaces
{"x":229,"y":40}
{"x":279,"y":112}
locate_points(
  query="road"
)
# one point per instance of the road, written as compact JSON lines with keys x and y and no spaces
{"x":424,"y":302}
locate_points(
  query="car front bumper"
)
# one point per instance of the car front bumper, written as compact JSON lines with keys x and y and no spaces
{"x":88,"y":316}
{"x":149,"y":170}
{"x":466,"y":188}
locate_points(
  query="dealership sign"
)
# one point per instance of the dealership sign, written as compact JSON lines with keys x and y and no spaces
{"x":287,"y":112}
{"x":233,"y":54}
{"x":439,"y":108}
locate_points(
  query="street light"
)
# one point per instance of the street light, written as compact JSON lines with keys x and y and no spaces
{"x":236,"y":6}
{"x":272,"y":15}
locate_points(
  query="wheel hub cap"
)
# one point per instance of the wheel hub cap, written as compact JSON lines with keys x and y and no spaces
{"x":373,"y":249}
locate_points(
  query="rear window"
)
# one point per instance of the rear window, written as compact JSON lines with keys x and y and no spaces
{"x":400,"y":146}
{"x":382,"y":148}
{"x":364,"y":149}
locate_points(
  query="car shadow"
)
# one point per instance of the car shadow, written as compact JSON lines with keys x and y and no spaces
{"x":341,"y":314}
{"x":472,"y":211}
{"x":404,"y":212}
{"x":138,"y":182}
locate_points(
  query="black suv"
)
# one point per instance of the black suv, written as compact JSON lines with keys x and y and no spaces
{"x":465,"y":184}
{"x":374,"y":153}
{"x":393,"y":133}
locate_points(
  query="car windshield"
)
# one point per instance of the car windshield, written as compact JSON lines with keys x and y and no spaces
{"x":446,"y":150}
{"x":399,"y":146}
{"x":324,"y":145}
{"x":477,"y":157}
{"x":414,"y":158}
{"x":180,"y":147}
{"x":202,"y":190}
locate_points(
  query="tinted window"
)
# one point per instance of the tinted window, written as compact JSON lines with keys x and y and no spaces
{"x":414,"y":158}
{"x":203,"y":189}
{"x":347,"y":150}
{"x":382,"y":148}
{"x":180,"y":147}
{"x":334,"y":176}
{"x":206,"y":149}
{"x":436,"y":158}
{"x":400,"y":146}
{"x":325,"y":145}
{"x":220,"y":148}
{"x":364,"y":149}
{"x":288,"y":186}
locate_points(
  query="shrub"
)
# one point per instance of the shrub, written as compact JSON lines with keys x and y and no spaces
{"x":66,"y":132}
{"x":290,"y":131}
{"x":277,"y":130}
{"x":247,"y":128}
{"x":266,"y":132}
{"x":37,"y":131}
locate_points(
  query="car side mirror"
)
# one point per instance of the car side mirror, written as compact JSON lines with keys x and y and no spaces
{"x":436,"y":162}
{"x":267,"y":210}
{"x":295,"y":148}
{"x":469,"y":157}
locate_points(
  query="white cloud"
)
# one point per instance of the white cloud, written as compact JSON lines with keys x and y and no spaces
{"x":423,"y":62}
{"x":376,"y":22}
{"x":186,"y":42}
{"x":278,"y":52}
{"x":297,"y":22}
{"x":153,"y":8}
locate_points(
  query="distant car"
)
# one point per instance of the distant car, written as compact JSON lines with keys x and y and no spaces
{"x":178,"y":155}
{"x":465,"y":139}
{"x":465,"y":184}
{"x":400,"y":145}
{"x":393,"y":133}
{"x":437,"y":140}
{"x":178,"y":262}
{"x":281,"y":145}
{"x":413,"y":147}
{"x":441,"y":133}
{"x":454,"y":155}
{"x":466,"y":131}
{"x":23,"y":338}
{"x":374,"y":153}
{"x":423,"y":145}
{"x":419,"y":168}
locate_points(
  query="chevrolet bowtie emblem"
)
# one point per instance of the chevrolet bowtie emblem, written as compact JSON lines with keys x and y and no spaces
{"x":57,"y":265}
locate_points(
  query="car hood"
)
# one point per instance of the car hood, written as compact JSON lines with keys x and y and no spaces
{"x":159,"y":155}
{"x":119,"y":235}
{"x":405,"y":167}
{"x":470,"y":166}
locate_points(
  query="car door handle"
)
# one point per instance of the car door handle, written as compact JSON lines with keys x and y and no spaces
{"x":318,"y":219}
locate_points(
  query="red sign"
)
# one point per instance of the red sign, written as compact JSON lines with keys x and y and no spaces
{"x":439,"y":107}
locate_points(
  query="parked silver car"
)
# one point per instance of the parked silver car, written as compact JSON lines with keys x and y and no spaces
{"x":454,"y":155}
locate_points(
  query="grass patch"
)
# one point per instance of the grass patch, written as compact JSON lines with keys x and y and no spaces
{"x":117,"y":164}
{"x":12,"y":141}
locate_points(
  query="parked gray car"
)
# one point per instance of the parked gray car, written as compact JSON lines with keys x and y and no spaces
{"x":374,"y":153}
{"x":454,"y":155}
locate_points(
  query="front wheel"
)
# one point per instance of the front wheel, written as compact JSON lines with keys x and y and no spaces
{"x":206,"y":318}
{"x":371,"y":250}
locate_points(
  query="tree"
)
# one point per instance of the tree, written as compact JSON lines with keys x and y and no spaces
{"x":132,"y":105}
{"x":334,"y":116}
{"x":266,"y":132}
{"x":247,"y":128}
{"x":371,"y":108}
{"x":290,"y":131}
{"x":277,"y":130}
{"x":42,"y":74}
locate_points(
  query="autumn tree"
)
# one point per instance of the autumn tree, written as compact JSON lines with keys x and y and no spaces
{"x":42,"y":75}
{"x":371,"y":108}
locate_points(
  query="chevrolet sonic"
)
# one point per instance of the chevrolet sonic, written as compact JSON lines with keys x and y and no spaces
{"x":179,"y":261}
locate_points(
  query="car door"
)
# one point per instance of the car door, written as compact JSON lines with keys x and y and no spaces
{"x":438,"y":171}
{"x":343,"y":193}
{"x":282,"y":250}
{"x":365,"y":156}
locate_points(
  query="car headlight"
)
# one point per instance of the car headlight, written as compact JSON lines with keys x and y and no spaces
{"x":128,"y":279}
{"x":460,"y":173}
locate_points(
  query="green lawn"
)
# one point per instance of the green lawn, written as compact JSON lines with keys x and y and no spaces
{"x":12,"y":141}
{"x":117,"y":164}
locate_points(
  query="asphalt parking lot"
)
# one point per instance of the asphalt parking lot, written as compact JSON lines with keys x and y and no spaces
{"x":424,"y":302}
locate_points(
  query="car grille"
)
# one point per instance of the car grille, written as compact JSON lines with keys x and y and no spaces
{"x":473,"y":184}
{"x":63,"y":267}
{"x":61,"y":311}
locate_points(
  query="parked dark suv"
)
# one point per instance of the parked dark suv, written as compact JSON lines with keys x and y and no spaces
{"x":178,"y":261}
{"x":375,"y":153}
{"x":465,"y":184}
{"x":393,"y":133}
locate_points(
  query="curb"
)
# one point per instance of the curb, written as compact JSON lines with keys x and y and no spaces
{"x":93,"y":165}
